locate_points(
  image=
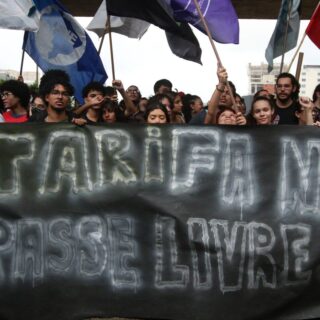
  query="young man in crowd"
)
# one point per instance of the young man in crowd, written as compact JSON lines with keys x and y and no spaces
{"x":162,"y":86}
{"x":55,"y":89}
{"x":287,"y":91}
{"x":130,"y":110}
{"x":15,"y":96}
{"x":94,"y":95}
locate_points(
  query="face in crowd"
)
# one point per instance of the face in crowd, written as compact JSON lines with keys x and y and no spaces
{"x":133,"y":93}
{"x":109,"y":115}
{"x":157,"y":116}
{"x":38,"y":104}
{"x":262,"y":111}
{"x":177,"y":104}
{"x":240,"y":104}
{"x":94,"y":96}
{"x":9,"y":99}
{"x":285,"y":89}
{"x":225,"y":98}
{"x":227,"y":117}
{"x":58,"y":98}
{"x":166,"y":102}
{"x":196,"y":105}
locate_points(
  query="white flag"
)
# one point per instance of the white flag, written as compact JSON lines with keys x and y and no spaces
{"x":130,"y":27}
{"x":14,"y":14}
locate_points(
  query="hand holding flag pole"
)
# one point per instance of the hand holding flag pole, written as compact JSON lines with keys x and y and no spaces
{"x":215,"y":51}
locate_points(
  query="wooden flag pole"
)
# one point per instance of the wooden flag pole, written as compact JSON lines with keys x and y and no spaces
{"x":296,"y":53}
{"x":301,"y":42}
{"x":101,"y":41}
{"x":215,"y":51}
{"x":22,"y":62}
{"x":299,"y":65}
{"x":111,"y":48}
{"x":286,"y":36}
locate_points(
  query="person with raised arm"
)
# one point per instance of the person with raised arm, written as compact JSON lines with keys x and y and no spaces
{"x":221,"y":99}
{"x":304,"y":111}
{"x":131,"y":110}
{"x":94,"y":95}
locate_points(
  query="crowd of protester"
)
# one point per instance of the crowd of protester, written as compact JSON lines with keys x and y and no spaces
{"x":102,"y":104}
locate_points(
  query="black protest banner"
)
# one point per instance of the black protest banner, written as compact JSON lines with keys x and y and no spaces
{"x":170,"y":222}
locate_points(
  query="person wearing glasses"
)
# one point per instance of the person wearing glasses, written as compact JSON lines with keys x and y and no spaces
{"x":15,"y":96}
{"x":55,"y":90}
{"x":287,"y":92}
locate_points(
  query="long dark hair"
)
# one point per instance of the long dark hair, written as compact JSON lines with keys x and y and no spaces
{"x":153,"y":105}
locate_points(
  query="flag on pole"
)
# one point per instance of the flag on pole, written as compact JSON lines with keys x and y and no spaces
{"x":180,"y":37}
{"x":18,"y":15}
{"x":61,"y":43}
{"x":313,"y":29}
{"x":277,"y":44}
{"x":130,"y":27}
{"x":220,"y":17}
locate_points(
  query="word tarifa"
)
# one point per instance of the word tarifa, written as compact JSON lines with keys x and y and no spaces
{"x":176,"y":163}
{"x":221,"y":255}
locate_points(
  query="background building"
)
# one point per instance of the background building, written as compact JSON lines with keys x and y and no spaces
{"x":30,"y":77}
{"x":259,"y":78}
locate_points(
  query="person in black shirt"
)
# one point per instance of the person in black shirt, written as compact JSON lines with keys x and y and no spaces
{"x":55,"y":90}
{"x":287,"y":91}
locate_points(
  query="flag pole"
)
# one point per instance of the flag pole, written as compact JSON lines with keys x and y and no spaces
{"x":301,"y":42}
{"x":111,"y":48}
{"x":296,"y":53}
{"x":215,"y":51}
{"x":286,"y":35}
{"x":22,"y":61}
{"x":299,"y":65}
{"x":101,"y":41}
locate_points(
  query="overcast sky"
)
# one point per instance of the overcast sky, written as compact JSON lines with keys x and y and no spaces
{"x":142,"y":62}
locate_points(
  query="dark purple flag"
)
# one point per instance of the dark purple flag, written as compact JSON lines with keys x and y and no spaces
{"x":220,"y":16}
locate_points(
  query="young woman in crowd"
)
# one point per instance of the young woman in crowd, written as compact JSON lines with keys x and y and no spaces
{"x":37,"y":105}
{"x":156,"y":113}
{"x":262,"y":111}
{"x":110,"y":113}
{"x":176,"y":115}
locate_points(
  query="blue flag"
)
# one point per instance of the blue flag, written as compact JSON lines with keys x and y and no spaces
{"x":61,"y":43}
{"x":286,"y":32}
{"x":220,"y":17}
